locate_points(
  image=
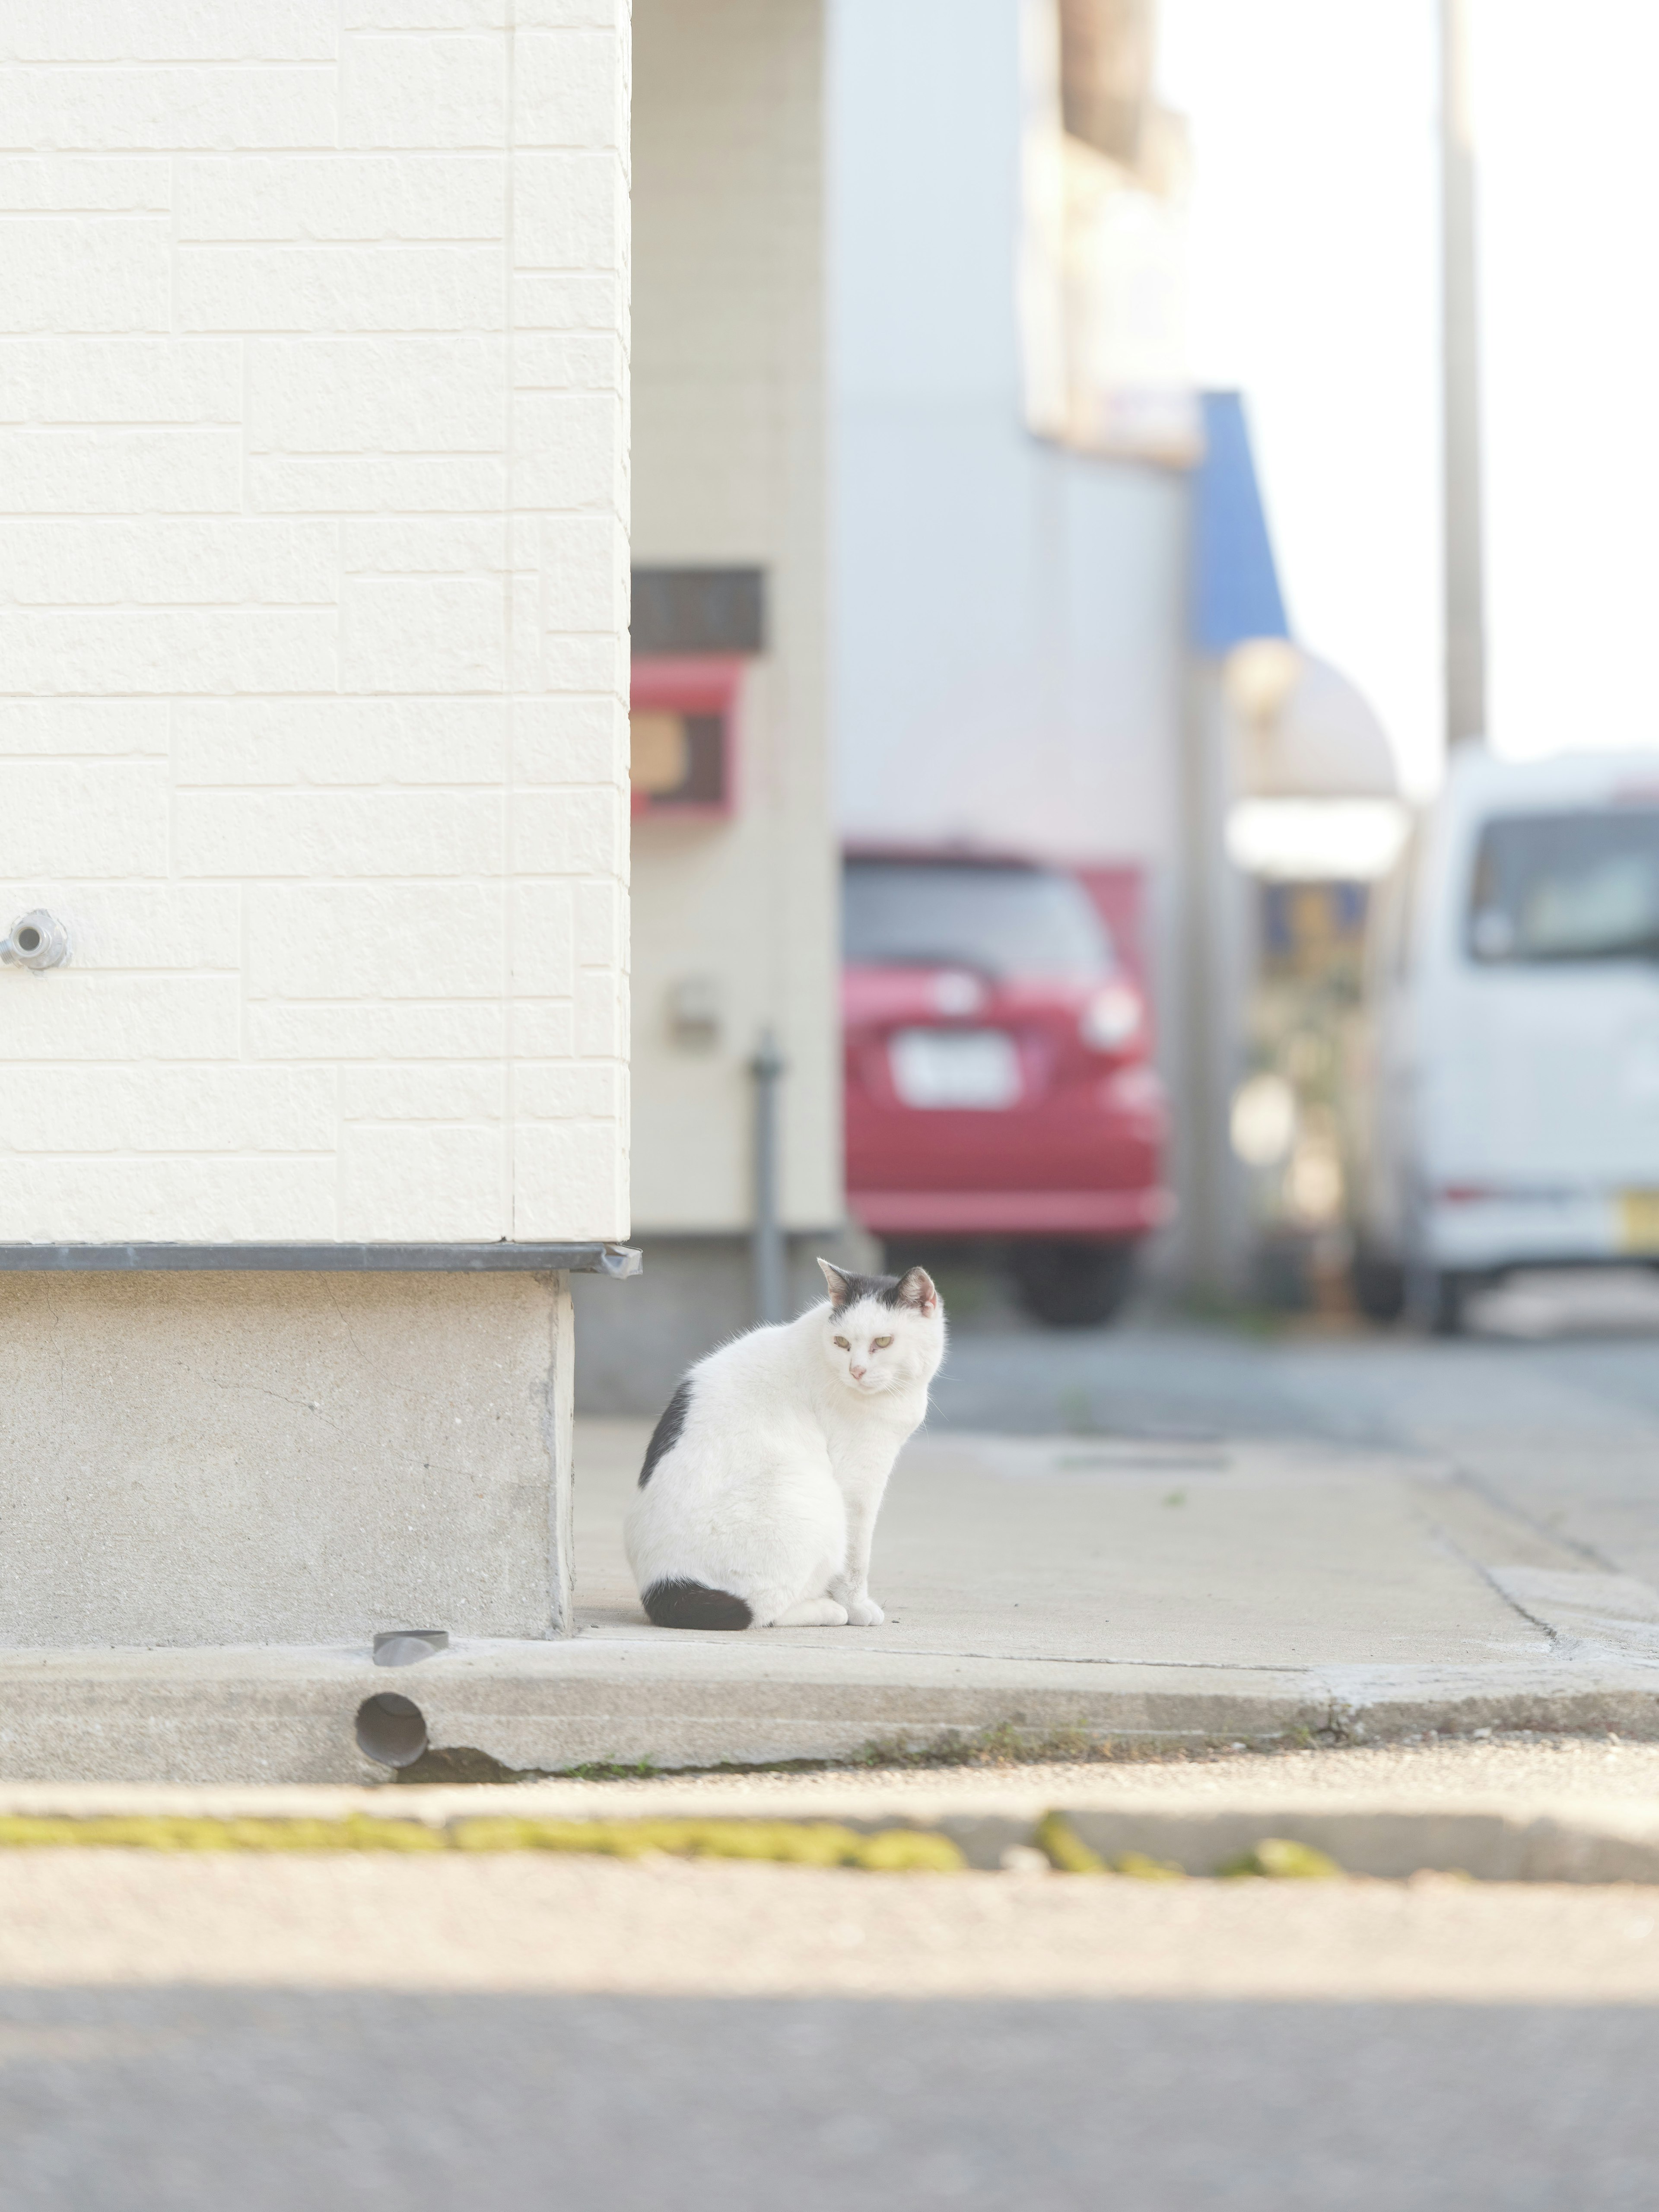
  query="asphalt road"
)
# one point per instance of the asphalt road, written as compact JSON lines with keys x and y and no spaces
{"x":172,"y":2100}
{"x":1584,"y":1347}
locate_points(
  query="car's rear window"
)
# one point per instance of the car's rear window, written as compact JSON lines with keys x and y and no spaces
{"x":1004,"y":921}
{"x":1578,"y":886}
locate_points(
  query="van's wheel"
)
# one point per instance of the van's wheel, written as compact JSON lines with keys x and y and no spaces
{"x":1378,"y":1285}
{"x":1072,"y":1285}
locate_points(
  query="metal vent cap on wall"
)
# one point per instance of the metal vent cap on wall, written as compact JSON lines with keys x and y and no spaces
{"x":37,"y":940}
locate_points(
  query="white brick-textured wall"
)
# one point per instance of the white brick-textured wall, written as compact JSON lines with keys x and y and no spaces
{"x":313,"y":581}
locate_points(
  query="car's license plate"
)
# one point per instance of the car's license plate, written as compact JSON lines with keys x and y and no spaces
{"x":1639,"y":1220}
{"x":939,"y":1068}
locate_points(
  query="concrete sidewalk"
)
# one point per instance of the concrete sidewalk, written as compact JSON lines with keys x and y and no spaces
{"x":1267,"y":1556}
{"x":1244,"y":1587}
{"x":1360,"y":1540}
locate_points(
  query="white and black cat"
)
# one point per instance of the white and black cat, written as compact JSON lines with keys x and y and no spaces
{"x":762,"y":1483}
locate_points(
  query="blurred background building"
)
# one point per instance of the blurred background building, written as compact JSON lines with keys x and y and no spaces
{"x":734,"y":853}
{"x":935,"y":541}
{"x":950,"y":535}
{"x":1059,"y":624}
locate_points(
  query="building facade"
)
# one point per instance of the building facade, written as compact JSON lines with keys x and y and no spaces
{"x":1012,"y":509}
{"x":734,"y":892}
{"x":314,"y":592}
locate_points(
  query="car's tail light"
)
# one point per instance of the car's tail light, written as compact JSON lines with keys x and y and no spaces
{"x":1112,"y":1019}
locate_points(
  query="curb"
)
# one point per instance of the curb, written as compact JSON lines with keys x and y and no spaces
{"x":483,"y":1711}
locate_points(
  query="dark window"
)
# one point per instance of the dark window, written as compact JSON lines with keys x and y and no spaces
{"x":1582,"y":886}
{"x":699,"y":611}
{"x":1006,"y":922}
{"x":705,"y":774}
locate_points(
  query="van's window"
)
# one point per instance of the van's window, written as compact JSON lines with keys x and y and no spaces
{"x":1001,"y":921}
{"x":1583,"y":886}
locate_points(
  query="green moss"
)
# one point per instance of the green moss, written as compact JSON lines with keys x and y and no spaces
{"x":798,"y":1843}
{"x":1005,"y":1743}
{"x":357,"y":1831}
{"x":1064,"y":1848}
{"x":908,"y":1851}
{"x":1139,"y":1867}
{"x":1276,"y":1859}
{"x":1067,"y":1853}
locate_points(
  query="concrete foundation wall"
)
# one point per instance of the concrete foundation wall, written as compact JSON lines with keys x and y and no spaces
{"x":246,"y":1459}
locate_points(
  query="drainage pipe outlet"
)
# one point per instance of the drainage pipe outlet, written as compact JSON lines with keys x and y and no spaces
{"x":391,"y":1730}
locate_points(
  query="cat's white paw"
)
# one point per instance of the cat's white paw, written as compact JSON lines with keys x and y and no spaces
{"x":813,"y":1613}
{"x":864,"y":1613}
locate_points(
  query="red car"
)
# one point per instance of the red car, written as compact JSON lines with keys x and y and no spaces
{"x":999,"y":1089}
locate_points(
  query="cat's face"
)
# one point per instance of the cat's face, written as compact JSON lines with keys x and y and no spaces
{"x":882,"y":1331}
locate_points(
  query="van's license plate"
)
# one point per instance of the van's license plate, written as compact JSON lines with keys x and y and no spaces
{"x":978,"y":1069}
{"x":1639,"y":1220}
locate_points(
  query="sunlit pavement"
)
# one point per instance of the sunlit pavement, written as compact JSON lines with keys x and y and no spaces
{"x":1326,"y":1514}
{"x":1550,"y":1405}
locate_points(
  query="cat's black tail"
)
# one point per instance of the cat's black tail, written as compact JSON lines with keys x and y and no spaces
{"x":694,"y":1605}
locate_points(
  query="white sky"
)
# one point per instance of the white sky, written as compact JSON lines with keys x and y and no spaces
{"x":1315,"y":289}
{"x":1569,"y":179}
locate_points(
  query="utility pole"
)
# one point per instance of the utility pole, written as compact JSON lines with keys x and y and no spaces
{"x":1465,"y":619}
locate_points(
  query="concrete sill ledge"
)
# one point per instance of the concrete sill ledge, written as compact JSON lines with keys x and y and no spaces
{"x":615,"y":1259}
{"x":219,"y":1714}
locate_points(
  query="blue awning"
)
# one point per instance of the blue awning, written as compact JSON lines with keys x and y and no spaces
{"x":1236,"y":593}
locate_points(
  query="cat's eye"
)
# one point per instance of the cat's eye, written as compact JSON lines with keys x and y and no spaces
{"x":841,"y":1344}
{"x":879,"y":1343}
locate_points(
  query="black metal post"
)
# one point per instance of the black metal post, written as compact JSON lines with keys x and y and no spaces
{"x":771,"y":1279}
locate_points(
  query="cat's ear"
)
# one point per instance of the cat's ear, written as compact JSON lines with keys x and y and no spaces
{"x":916,"y":1289}
{"x":837,"y":1284}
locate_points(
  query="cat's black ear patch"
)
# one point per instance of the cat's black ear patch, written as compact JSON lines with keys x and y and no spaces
{"x":914,"y":1288}
{"x":678,"y":1604}
{"x":668,"y":1432}
{"x":846,"y":1289}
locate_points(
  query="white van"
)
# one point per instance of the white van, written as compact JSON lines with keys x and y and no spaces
{"x":1508,"y":1101}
